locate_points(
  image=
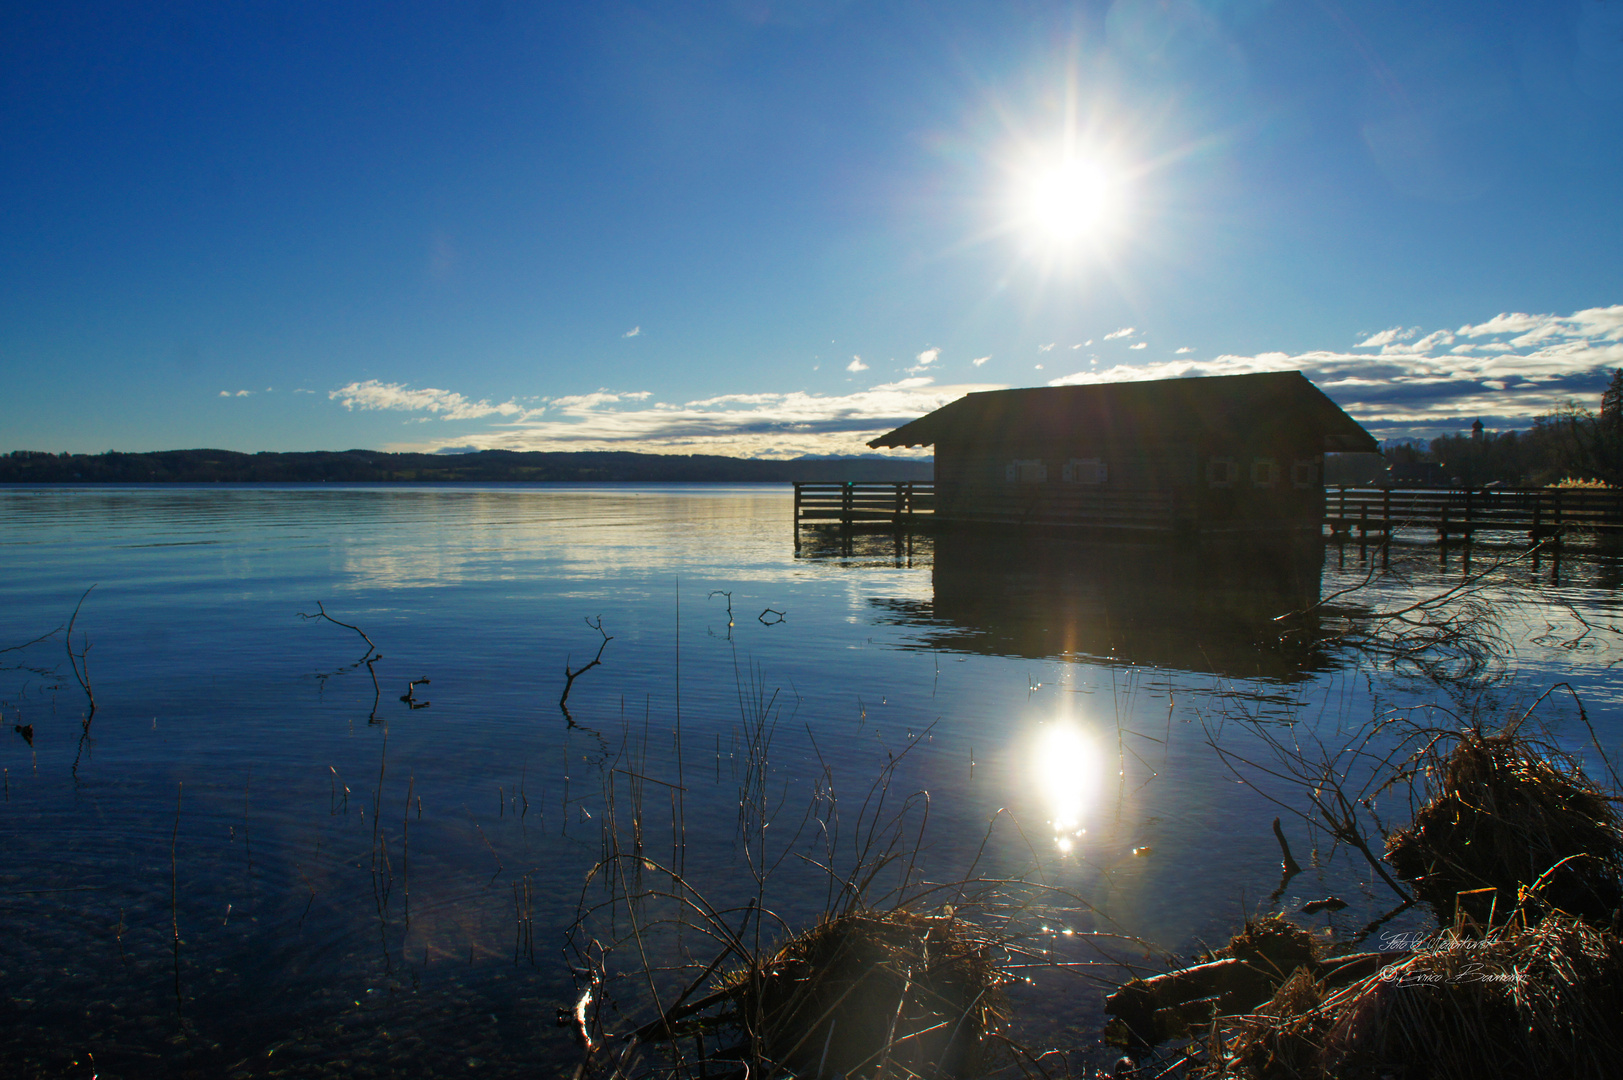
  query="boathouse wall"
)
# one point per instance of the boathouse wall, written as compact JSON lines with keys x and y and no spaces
{"x":1057,"y":456}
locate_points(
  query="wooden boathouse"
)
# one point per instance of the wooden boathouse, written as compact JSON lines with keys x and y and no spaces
{"x":1229,"y":453}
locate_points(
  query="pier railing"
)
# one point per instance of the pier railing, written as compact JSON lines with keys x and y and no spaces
{"x":865,"y":502}
{"x":1348,"y":511}
{"x":1537,"y":512}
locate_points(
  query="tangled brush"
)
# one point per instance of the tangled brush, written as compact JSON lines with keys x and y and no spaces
{"x":1506,"y":818}
{"x":1516,"y":1001}
{"x":873,"y":994}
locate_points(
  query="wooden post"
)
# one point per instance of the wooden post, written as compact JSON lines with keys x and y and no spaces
{"x":794,"y":525}
{"x":845,"y":505}
{"x":1363,"y":531}
{"x":1555,"y":568}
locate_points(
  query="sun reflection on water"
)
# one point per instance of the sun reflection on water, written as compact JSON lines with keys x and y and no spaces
{"x":1066,"y":770}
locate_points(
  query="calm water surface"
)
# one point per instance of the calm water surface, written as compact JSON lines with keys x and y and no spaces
{"x":250,"y":863}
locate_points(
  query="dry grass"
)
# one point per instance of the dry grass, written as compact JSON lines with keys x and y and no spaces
{"x":1507,"y":818}
{"x":873,"y":994}
{"x":1517,"y":1001}
{"x":1521,"y":856}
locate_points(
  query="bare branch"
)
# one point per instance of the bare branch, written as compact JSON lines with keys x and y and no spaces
{"x":571,"y":675}
{"x":370,"y":657}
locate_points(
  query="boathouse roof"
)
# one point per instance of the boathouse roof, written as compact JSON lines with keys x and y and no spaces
{"x":1163,"y":410}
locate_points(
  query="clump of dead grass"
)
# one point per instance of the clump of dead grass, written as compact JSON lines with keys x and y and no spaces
{"x":1506,"y":818}
{"x":873,"y":994}
{"x":1514,"y":1001}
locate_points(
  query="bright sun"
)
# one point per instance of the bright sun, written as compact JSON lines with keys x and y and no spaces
{"x":1078,"y":199}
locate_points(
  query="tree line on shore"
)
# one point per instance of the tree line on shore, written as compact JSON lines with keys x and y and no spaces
{"x":1573,"y":443}
{"x":368,"y":466}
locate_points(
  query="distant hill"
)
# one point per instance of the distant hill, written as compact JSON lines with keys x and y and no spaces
{"x":207,"y":466}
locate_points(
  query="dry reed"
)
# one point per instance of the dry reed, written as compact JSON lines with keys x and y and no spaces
{"x":1507,"y":818}
{"x":1515,"y":1001}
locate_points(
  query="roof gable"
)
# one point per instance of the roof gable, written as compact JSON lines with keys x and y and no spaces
{"x":1253,"y":406}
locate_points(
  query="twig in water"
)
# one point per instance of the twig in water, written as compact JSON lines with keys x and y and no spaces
{"x":79,"y":661}
{"x":728,"y":594}
{"x":410,"y":696}
{"x":174,"y":900}
{"x":570,"y":676}
{"x":1288,"y":866}
{"x":370,"y":657}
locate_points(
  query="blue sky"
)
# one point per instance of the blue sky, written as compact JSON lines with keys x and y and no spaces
{"x":782,"y":228}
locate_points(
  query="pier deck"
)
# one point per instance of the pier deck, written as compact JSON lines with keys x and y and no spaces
{"x":1460,"y":512}
{"x":1352,"y":512}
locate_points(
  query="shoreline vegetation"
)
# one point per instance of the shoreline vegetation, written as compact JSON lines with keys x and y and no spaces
{"x":369,"y":466}
{"x":1472,"y":812}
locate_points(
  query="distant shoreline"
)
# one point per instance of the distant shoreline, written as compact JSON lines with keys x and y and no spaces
{"x":367,"y":466}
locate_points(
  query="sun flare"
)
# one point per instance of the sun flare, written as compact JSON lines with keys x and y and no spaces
{"x":1077,"y":199}
{"x":1066,"y":770}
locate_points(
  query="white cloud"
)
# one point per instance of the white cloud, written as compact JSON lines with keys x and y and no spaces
{"x":856,"y":364}
{"x":1402,"y":392}
{"x":1077,"y":346}
{"x":239,"y":393}
{"x":1408,"y":390}
{"x":1046,"y":348}
{"x":1139,"y":345}
{"x":777,"y":425}
{"x":372,"y":395}
{"x":583,"y":403}
{"x":635,"y":331}
{"x":1504,"y":323}
{"x":1434,"y":340}
{"x":925,"y":359}
{"x":1387,"y":337}
{"x":1126,"y":331}
{"x":1181,"y":351}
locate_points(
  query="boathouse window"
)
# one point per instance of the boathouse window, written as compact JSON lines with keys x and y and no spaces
{"x":1026,"y":471}
{"x":1086,"y":471}
{"x":1222,"y":472}
{"x":1305,"y":473}
{"x":1264,"y":472}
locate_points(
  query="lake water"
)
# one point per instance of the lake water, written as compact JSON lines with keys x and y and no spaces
{"x":250,"y":862}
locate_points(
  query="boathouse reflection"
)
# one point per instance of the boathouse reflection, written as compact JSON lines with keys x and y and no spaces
{"x":1207,"y":607}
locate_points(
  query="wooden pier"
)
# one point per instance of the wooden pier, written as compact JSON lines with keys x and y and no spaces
{"x":1536,"y":513}
{"x":1360,"y":513}
{"x":899,"y":504}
